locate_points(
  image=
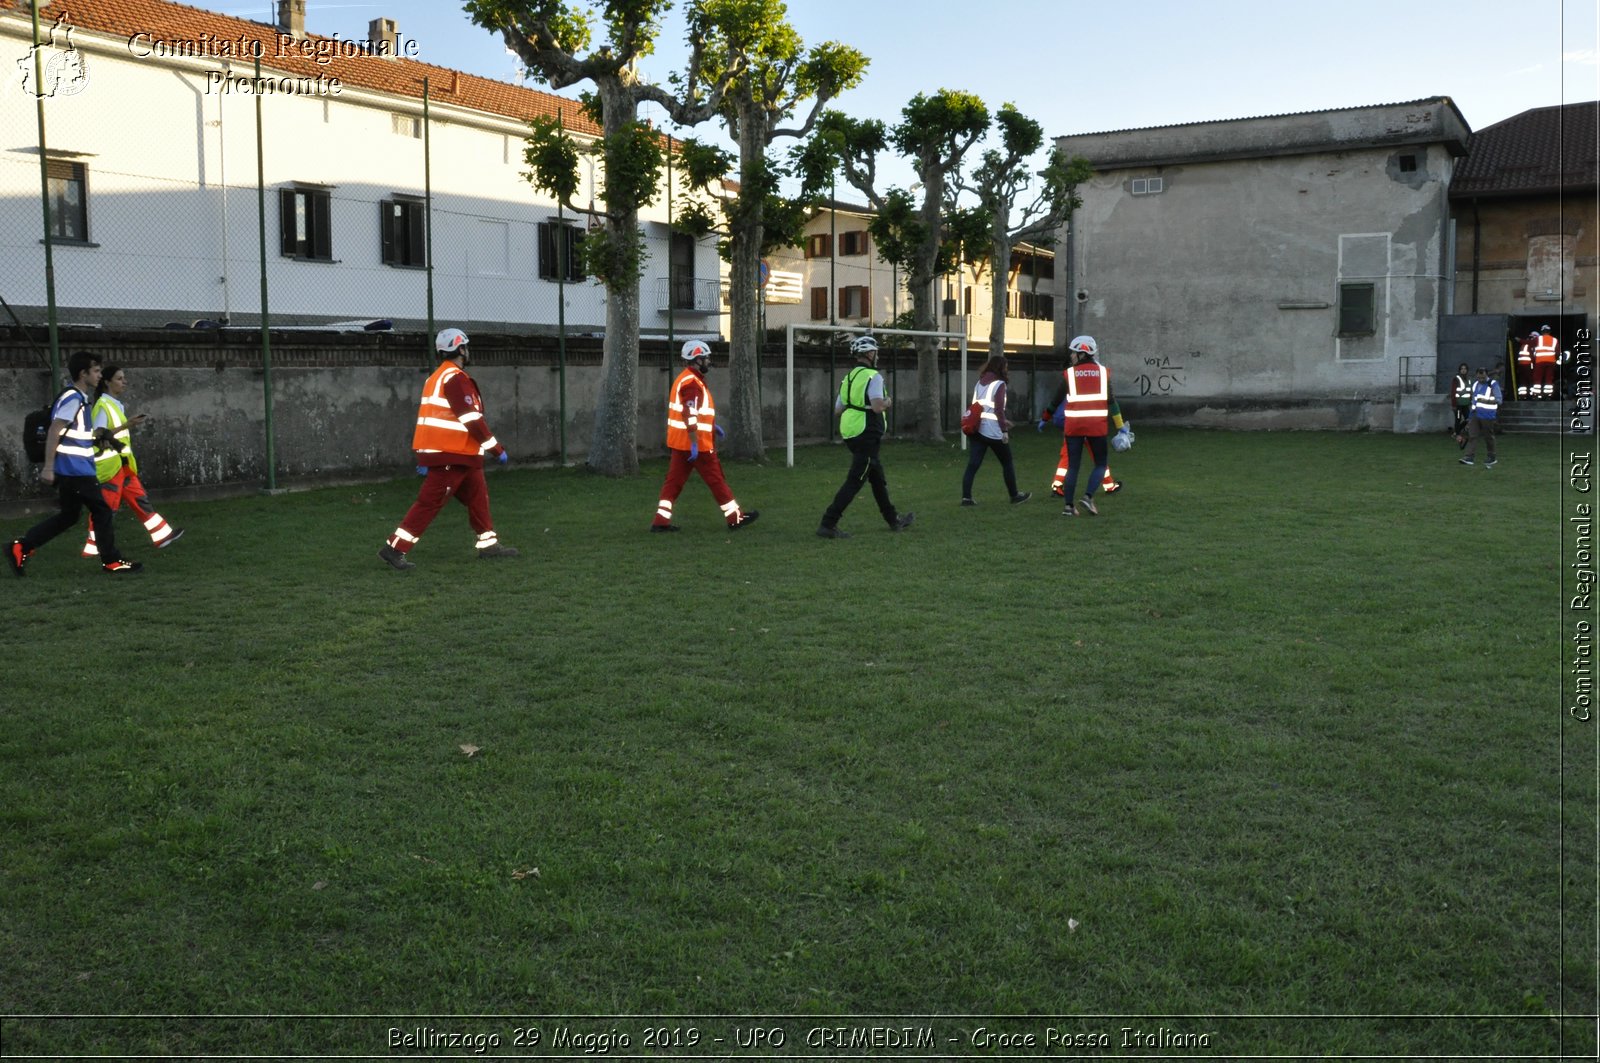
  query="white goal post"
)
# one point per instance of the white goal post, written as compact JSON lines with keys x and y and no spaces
{"x":788,"y":390}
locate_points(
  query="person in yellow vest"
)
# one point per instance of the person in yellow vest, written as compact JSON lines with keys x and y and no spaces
{"x":1462,"y":388}
{"x":116,"y":467}
{"x":692,"y":434}
{"x":860,"y":408}
{"x":450,"y":441}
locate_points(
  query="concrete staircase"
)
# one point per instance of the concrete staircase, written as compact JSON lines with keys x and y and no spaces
{"x":1535,"y":416}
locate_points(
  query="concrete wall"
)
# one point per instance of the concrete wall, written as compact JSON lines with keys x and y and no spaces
{"x":1513,"y":235}
{"x":345,"y":405}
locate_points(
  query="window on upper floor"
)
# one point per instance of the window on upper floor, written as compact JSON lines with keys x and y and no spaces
{"x":855,"y":301}
{"x":1146,"y":186}
{"x":403,"y":231}
{"x":68,"y":184}
{"x":559,"y":244}
{"x":304,"y":225}
{"x":819,"y":246}
{"x":853,"y":242}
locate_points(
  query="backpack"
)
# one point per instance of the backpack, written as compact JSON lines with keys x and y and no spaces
{"x":971,"y":419}
{"x":35,"y":427}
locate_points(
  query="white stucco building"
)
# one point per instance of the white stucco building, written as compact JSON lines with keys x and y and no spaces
{"x":151,"y":156}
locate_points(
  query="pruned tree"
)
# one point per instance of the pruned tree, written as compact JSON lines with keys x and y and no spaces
{"x":555,"y":39}
{"x":935,"y":132}
{"x":777,"y":76}
{"x":1000,"y":184}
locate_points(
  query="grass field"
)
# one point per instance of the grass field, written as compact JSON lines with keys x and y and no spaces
{"x":1272,"y":744}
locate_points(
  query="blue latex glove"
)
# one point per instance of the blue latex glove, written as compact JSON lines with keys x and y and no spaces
{"x":694,"y":450}
{"x":422,"y":470}
{"x":1040,"y":426}
{"x":505,"y":456}
{"x":717,"y":428}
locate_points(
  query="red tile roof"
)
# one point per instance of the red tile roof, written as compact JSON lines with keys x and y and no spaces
{"x":400,"y":76}
{"x":1538,"y":152}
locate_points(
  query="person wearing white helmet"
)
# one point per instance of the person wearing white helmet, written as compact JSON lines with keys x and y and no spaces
{"x":692,"y":434}
{"x":1084,"y":399}
{"x":450,"y":441}
{"x":860,"y":408}
{"x":1057,"y":413}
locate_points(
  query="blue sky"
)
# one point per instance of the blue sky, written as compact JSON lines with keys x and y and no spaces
{"x":1080,"y":67}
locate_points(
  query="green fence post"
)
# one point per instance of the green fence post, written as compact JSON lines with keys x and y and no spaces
{"x":427,"y":197}
{"x":44,"y":200}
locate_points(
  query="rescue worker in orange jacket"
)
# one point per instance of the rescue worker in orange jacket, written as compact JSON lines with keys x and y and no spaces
{"x":1085,"y":390}
{"x":450,"y":441}
{"x":692,"y":434}
{"x":1525,"y":366}
{"x":1546,"y":354}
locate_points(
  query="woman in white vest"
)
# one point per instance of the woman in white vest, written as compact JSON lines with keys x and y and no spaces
{"x":994,"y":431}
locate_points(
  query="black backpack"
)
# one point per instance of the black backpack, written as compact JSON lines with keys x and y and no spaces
{"x":35,"y":427}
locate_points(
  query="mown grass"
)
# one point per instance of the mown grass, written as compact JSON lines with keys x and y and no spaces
{"x":1278,"y":734}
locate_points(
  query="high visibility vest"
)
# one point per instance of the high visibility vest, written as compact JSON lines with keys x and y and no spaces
{"x":1525,"y":354}
{"x":1545,"y":352}
{"x":1463,"y":391}
{"x":1485,"y":400}
{"x":75,"y":449}
{"x":858,"y":413}
{"x":109,"y":460}
{"x":984,"y":396}
{"x":705,"y":415}
{"x":1088,"y":405}
{"x":439,"y":430}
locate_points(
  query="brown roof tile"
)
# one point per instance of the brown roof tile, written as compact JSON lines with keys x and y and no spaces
{"x":1537,"y":152}
{"x":400,"y":76}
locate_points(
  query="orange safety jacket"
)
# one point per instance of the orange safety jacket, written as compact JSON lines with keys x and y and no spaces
{"x":1545,"y":352}
{"x":441,"y":430}
{"x":1525,"y":354}
{"x":1088,"y":404}
{"x":691,"y":417}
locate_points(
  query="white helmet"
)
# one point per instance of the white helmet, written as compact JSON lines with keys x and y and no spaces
{"x":693,"y":349}
{"x":863,"y":345}
{"x":1084,"y":345}
{"x":448,"y":340}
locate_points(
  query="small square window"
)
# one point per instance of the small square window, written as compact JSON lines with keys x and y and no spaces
{"x":407,"y":125}
{"x":1408,"y":164}
{"x":1145,"y":186}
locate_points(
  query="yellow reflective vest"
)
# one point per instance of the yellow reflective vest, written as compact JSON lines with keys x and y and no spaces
{"x":108,"y":413}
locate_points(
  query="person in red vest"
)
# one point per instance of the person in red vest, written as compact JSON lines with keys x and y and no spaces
{"x":1525,"y":365}
{"x":450,"y":441}
{"x":692,"y":434}
{"x":1546,"y":353}
{"x":1085,"y":388}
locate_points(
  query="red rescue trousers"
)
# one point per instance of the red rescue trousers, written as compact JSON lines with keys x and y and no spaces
{"x":125,"y":487}
{"x":710,"y":470}
{"x":466,"y":483}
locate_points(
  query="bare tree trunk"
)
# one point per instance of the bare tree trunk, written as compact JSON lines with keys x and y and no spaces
{"x":745,"y":438}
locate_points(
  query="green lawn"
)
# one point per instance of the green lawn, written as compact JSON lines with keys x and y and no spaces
{"x":1277,"y":735}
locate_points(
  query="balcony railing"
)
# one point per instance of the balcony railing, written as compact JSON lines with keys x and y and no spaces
{"x":689,"y":295}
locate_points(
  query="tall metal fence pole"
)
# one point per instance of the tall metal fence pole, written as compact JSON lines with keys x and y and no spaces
{"x":266,"y":333}
{"x":44,"y":200}
{"x":427,"y":196}
{"x":563,"y":250}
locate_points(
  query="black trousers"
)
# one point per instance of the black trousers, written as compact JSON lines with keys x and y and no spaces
{"x":75,"y":494}
{"x":977,"y":446}
{"x":864,"y":468}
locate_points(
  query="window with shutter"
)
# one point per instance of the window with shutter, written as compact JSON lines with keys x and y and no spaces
{"x":304,"y":223}
{"x":401,"y":222}
{"x":69,"y":199}
{"x":819,"y":304}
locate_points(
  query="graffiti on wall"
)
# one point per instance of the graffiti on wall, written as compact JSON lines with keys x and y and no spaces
{"x":1161,"y":377}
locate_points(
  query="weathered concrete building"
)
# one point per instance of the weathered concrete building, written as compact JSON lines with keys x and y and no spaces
{"x":1280,"y":271}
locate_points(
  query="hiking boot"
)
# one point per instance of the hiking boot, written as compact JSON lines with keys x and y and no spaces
{"x":825,"y":532}
{"x":968,"y":502}
{"x":1017,"y":500}
{"x":745,"y":520}
{"x":118,"y":567}
{"x":177,"y":533}
{"x":665,"y":528}
{"x":1088,"y":506}
{"x":489,"y":553}
{"x":17,"y":555}
{"x":394,"y":558}
{"x":903,"y":521}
